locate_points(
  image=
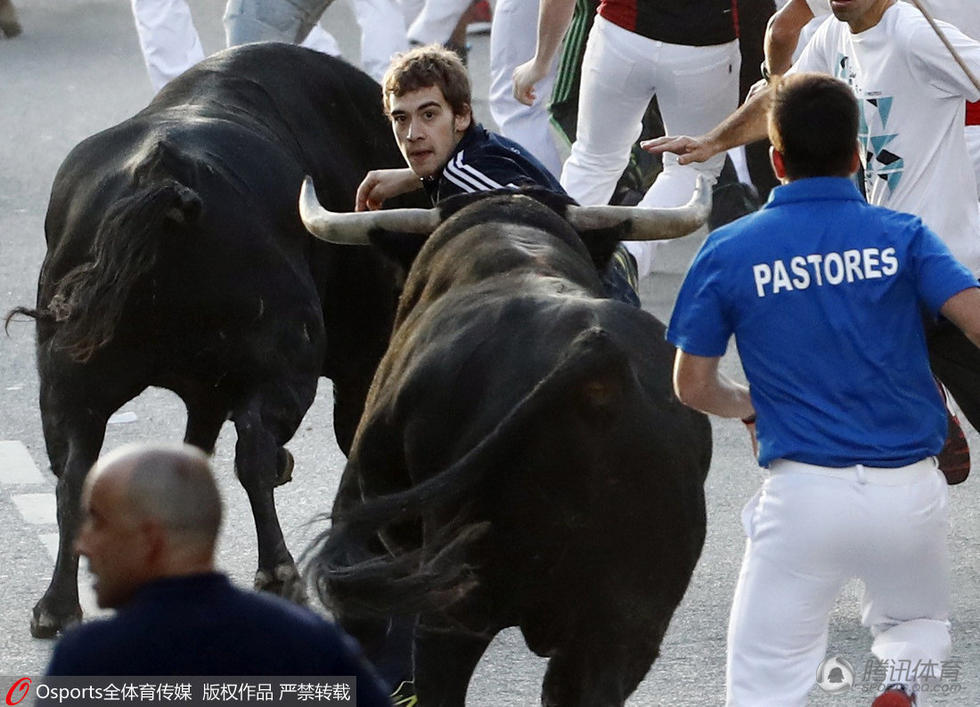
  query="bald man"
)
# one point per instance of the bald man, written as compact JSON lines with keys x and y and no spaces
{"x":151,"y":518}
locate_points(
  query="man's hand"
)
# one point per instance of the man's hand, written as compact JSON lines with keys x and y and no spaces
{"x":381,"y":184}
{"x":687,"y":149}
{"x":758,"y":87}
{"x":525,"y":76}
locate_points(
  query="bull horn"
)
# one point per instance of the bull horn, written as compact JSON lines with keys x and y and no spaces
{"x":351,"y":228}
{"x":647,"y":224}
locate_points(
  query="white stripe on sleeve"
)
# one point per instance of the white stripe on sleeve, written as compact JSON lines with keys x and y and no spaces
{"x":465,"y":172}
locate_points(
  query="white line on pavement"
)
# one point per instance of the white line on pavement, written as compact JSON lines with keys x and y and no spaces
{"x":36,"y":508}
{"x":17,"y":466}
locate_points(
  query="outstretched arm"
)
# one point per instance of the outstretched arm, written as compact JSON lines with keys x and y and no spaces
{"x":745,"y":125}
{"x":381,"y":184}
{"x":554,"y":17}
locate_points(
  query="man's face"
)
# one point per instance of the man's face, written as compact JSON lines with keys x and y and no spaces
{"x":426,"y":128}
{"x":859,"y":14}
{"x":112,"y":538}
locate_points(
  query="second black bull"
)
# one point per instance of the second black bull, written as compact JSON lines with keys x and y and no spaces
{"x":176,"y":258}
{"x":522,"y":459}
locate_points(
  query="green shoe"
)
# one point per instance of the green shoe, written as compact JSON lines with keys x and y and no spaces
{"x":404,"y":695}
{"x":624,"y":261}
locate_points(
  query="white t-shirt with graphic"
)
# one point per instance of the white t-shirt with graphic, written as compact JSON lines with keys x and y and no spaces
{"x":963,"y":14}
{"x":911,"y":92}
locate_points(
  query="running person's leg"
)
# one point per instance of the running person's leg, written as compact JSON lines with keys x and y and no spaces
{"x":168,"y":38}
{"x":513,"y":38}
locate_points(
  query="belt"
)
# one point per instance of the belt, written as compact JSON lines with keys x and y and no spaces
{"x":973,"y":113}
{"x":877,"y":475}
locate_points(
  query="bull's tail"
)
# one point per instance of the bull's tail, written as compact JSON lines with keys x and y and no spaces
{"x":89,"y":300}
{"x":433,"y":577}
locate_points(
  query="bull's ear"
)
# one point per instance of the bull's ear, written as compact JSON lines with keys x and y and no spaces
{"x":601,"y":243}
{"x":398,"y":247}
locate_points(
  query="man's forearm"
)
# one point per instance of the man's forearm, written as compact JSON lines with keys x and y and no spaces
{"x":699,"y":384}
{"x":554,"y":16}
{"x":747,"y":124}
{"x":722,"y":397}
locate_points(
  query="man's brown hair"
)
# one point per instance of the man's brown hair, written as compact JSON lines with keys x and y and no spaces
{"x":813,"y":122}
{"x":431,"y":65}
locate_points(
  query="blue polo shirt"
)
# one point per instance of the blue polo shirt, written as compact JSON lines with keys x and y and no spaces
{"x":824,"y":294}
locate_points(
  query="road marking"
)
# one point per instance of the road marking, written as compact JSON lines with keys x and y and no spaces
{"x":17,"y":466}
{"x":36,"y":508}
{"x":50,"y":541}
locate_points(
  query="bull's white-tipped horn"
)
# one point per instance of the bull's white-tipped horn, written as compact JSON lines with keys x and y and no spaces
{"x":647,"y":224}
{"x":351,"y":228}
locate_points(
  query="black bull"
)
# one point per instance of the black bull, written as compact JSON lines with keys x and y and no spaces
{"x":176,"y":258}
{"x":522,"y":461}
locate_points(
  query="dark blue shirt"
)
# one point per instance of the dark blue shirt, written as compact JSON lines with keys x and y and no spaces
{"x":483,"y":161}
{"x":202,"y":625}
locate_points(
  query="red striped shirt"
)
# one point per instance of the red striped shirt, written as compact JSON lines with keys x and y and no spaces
{"x":973,"y":113}
{"x":695,"y":23}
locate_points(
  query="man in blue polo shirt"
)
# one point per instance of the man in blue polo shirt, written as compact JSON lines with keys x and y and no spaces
{"x":823,"y":294}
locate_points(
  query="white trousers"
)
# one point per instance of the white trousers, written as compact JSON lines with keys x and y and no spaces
{"x":810,"y":529}
{"x":696,"y":88}
{"x":168,"y":38}
{"x":170,"y":43}
{"x":513,"y":36}
{"x":433,"y":20}
{"x":381,"y":21}
{"x":382,"y":26}
{"x":972,"y":133}
{"x":271,"y":20}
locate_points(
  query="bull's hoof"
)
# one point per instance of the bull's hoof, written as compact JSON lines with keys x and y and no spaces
{"x":9,"y":26}
{"x":285,"y":472}
{"x":47,"y":624}
{"x":284,"y":581}
{"x":10,"y":29}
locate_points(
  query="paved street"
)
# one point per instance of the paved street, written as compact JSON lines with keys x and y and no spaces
{"x":76,"y":70}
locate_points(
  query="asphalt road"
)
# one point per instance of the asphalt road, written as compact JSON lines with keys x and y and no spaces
{"x":76,"y":70}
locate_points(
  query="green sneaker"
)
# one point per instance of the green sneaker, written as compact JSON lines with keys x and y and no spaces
{"x":404,"y":695}
{"x":624,"y":261}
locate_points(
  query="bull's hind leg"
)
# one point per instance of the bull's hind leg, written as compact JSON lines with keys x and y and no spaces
{"x":73,"y":447}
{"x":264,"y":425}
{"x":204,"y":420}
{"x":444,"y":664}
{"x":599,"y":666}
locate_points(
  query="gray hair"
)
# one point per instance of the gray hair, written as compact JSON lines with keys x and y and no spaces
{"x":173,"y":484}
